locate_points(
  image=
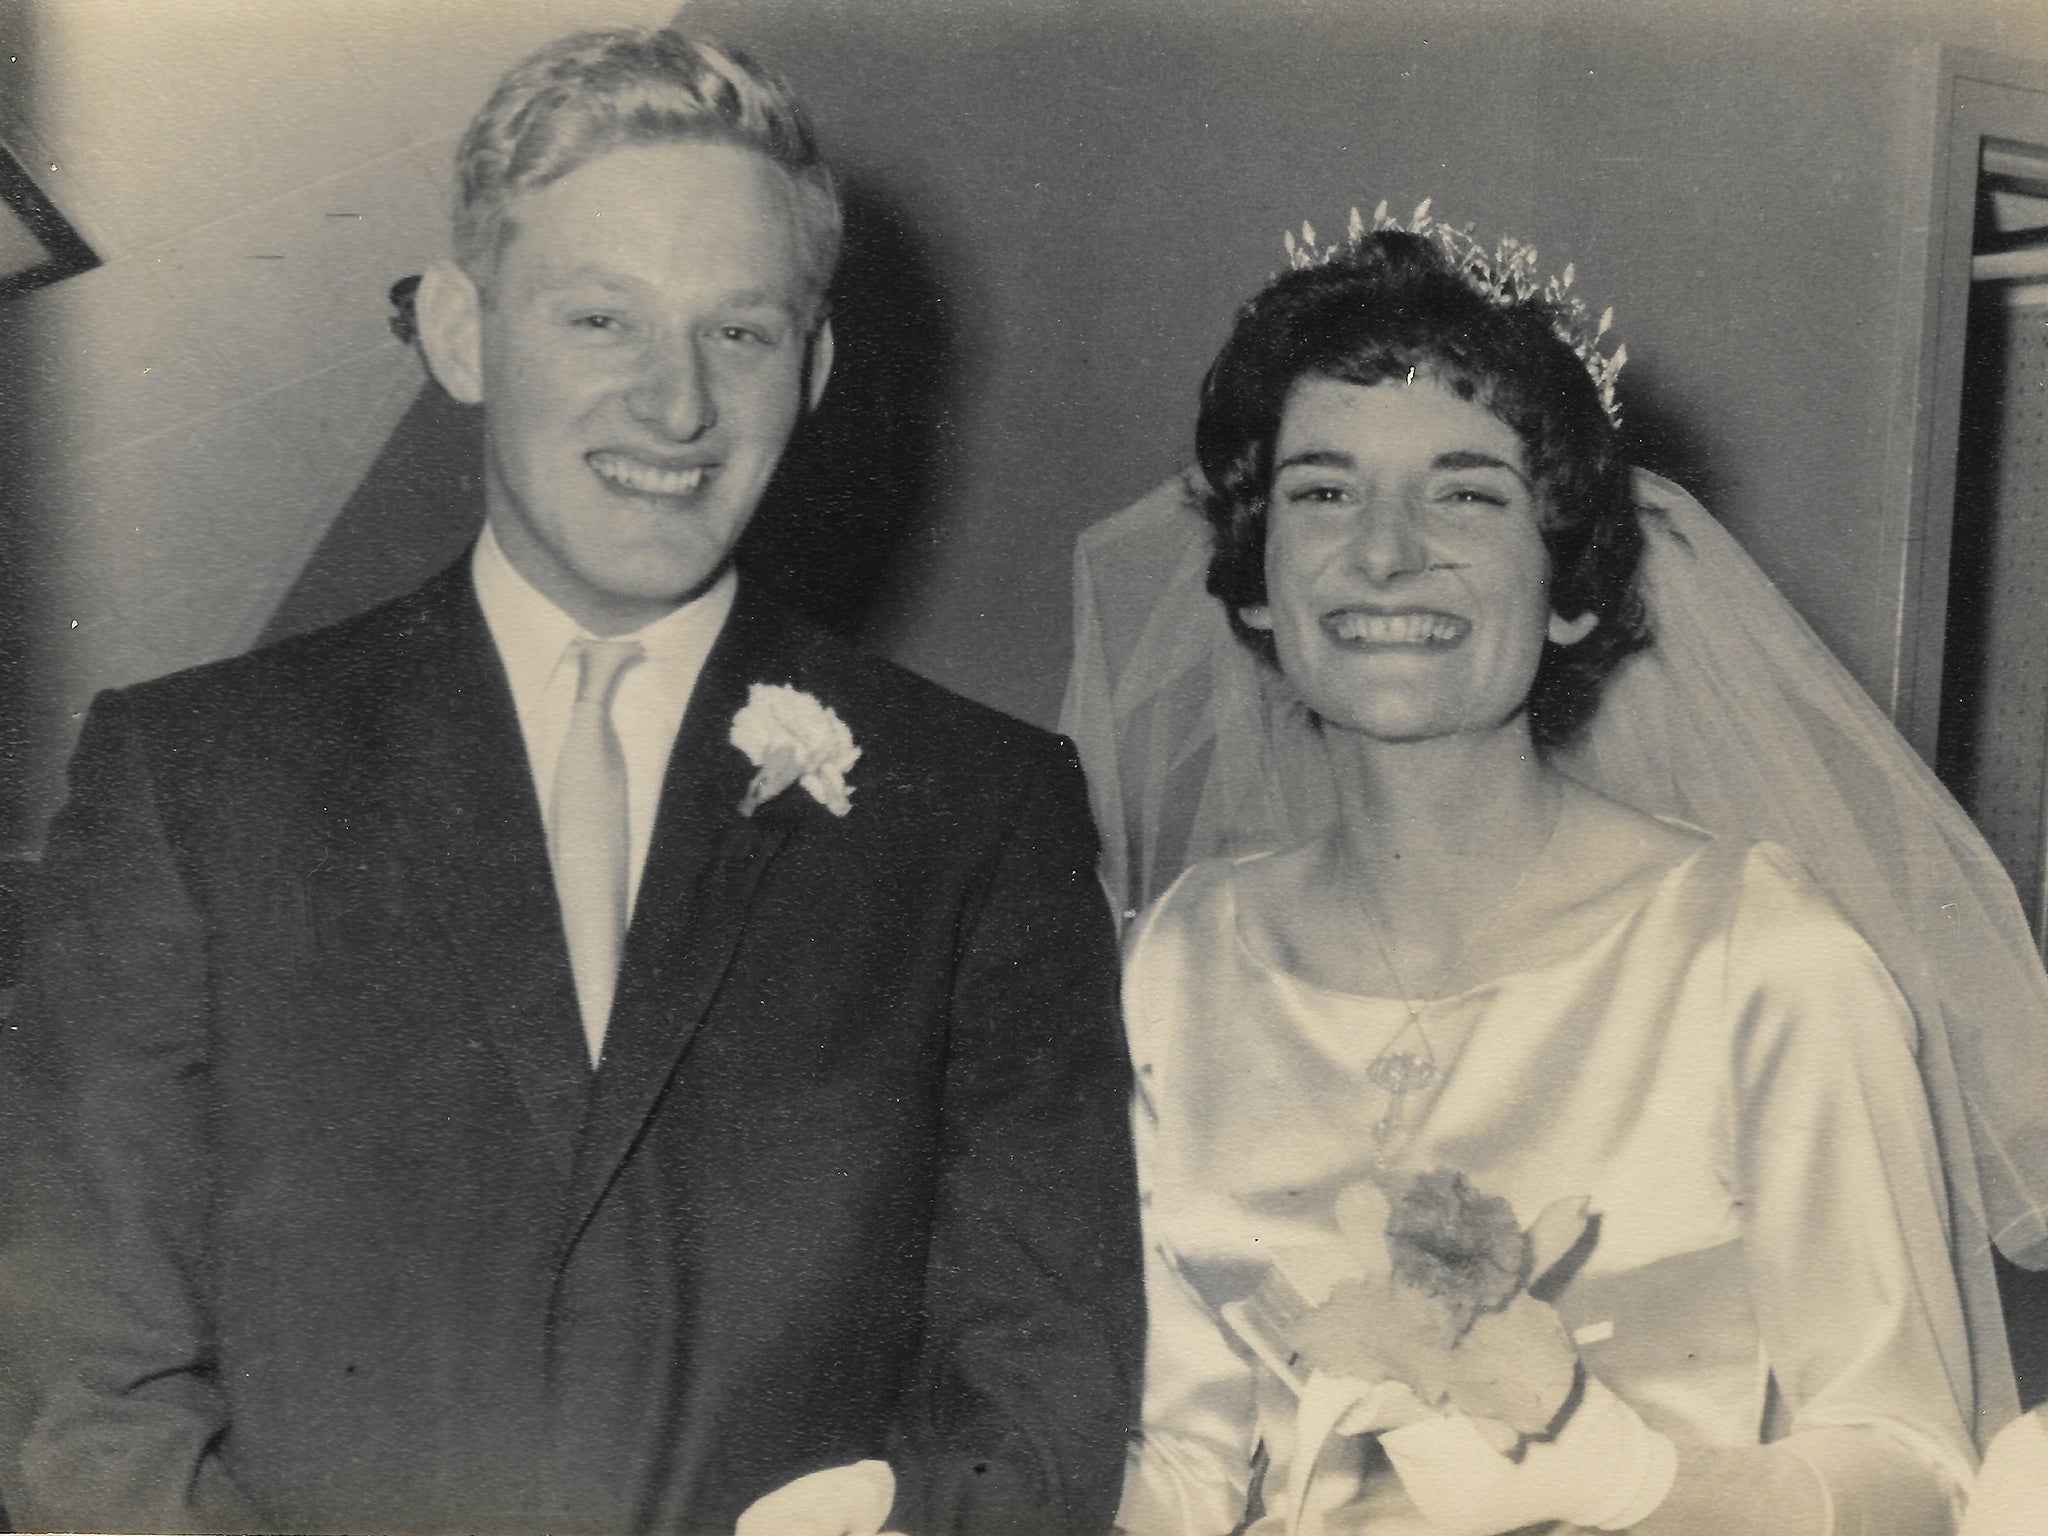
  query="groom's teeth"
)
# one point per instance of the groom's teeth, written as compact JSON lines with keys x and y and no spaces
{"x":636,"y":476}
{"x":1396,"y":628}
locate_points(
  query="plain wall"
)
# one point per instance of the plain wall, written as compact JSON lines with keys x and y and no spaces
{"x":1057,"y":208}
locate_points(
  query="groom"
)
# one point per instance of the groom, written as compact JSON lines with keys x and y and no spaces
{"x":576,"y":1049}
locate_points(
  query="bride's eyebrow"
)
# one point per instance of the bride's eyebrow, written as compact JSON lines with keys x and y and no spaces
{"x":1470,"y":458}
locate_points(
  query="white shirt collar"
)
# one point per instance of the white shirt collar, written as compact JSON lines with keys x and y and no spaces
{"x":532,"y":634}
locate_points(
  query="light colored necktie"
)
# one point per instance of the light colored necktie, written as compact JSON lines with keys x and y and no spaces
{"x":589,"y":841}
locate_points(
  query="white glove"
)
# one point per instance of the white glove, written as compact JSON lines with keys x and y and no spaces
{"x":1606,"y":1470}
{"x":852,"y":1500}
{"x":1332,"y":1406}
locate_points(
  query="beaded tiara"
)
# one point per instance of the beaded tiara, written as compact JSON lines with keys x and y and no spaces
{"x":1506,"y":275}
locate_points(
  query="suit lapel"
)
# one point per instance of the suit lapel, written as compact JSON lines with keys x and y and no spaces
{"x":470,"y":830}
{"x":703,"y":865}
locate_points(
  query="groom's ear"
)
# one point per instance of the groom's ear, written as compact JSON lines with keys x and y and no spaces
{"x":1572,"y":631}
{"x":449,"y":310}
{"x":1256,"y":616}
{"x":818,"y":365}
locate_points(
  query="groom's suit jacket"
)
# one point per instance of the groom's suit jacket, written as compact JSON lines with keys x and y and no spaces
{"x":313,"y":1215}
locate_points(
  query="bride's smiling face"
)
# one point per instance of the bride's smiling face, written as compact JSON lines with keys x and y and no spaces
{"x":1406,"y":577}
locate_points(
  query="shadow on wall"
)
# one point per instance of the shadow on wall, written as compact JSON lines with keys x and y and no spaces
{"x":856,"y":491}
{"x":1660,"y":433}
{"x":18,"y":384}
{"x":20,"y":381}
{"x":859,"y":491}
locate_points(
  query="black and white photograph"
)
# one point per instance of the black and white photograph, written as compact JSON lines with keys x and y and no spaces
{"x":1024,"y":767}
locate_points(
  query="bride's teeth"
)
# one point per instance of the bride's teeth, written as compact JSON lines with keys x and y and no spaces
{"x":1396,"y":628}
{"x":635,"y":476}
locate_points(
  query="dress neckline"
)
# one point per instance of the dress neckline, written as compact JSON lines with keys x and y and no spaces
{"x":1606,"y":935}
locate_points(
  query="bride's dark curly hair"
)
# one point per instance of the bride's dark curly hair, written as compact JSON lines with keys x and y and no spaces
{"x":1391,"y":305}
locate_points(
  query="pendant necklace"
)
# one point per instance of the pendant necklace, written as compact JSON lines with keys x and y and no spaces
{"x":1398,"y":1073}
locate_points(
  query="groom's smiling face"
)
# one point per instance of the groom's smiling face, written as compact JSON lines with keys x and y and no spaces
{"x":640,"y":353}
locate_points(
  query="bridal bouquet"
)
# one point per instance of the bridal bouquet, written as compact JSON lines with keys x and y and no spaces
{"x":1436,"y":1297}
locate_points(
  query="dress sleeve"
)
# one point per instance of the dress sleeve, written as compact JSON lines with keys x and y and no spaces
{"x":1189,"y":1473}
{"x":1846,"y":1237}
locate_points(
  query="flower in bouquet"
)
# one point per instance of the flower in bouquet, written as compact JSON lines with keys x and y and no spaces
{"x":1464,"y":1248}
{"x":1440,"y":1303}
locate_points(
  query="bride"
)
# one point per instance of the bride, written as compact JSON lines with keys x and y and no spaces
{"x":1436,"y":970}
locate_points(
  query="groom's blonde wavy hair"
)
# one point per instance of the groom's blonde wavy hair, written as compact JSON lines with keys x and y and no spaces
{"x":597,"y":91}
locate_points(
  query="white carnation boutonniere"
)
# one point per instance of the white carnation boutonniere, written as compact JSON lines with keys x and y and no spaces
{"x":791,"y":738}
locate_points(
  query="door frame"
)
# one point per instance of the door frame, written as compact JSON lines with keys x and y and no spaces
{"x":1974,"y":96}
